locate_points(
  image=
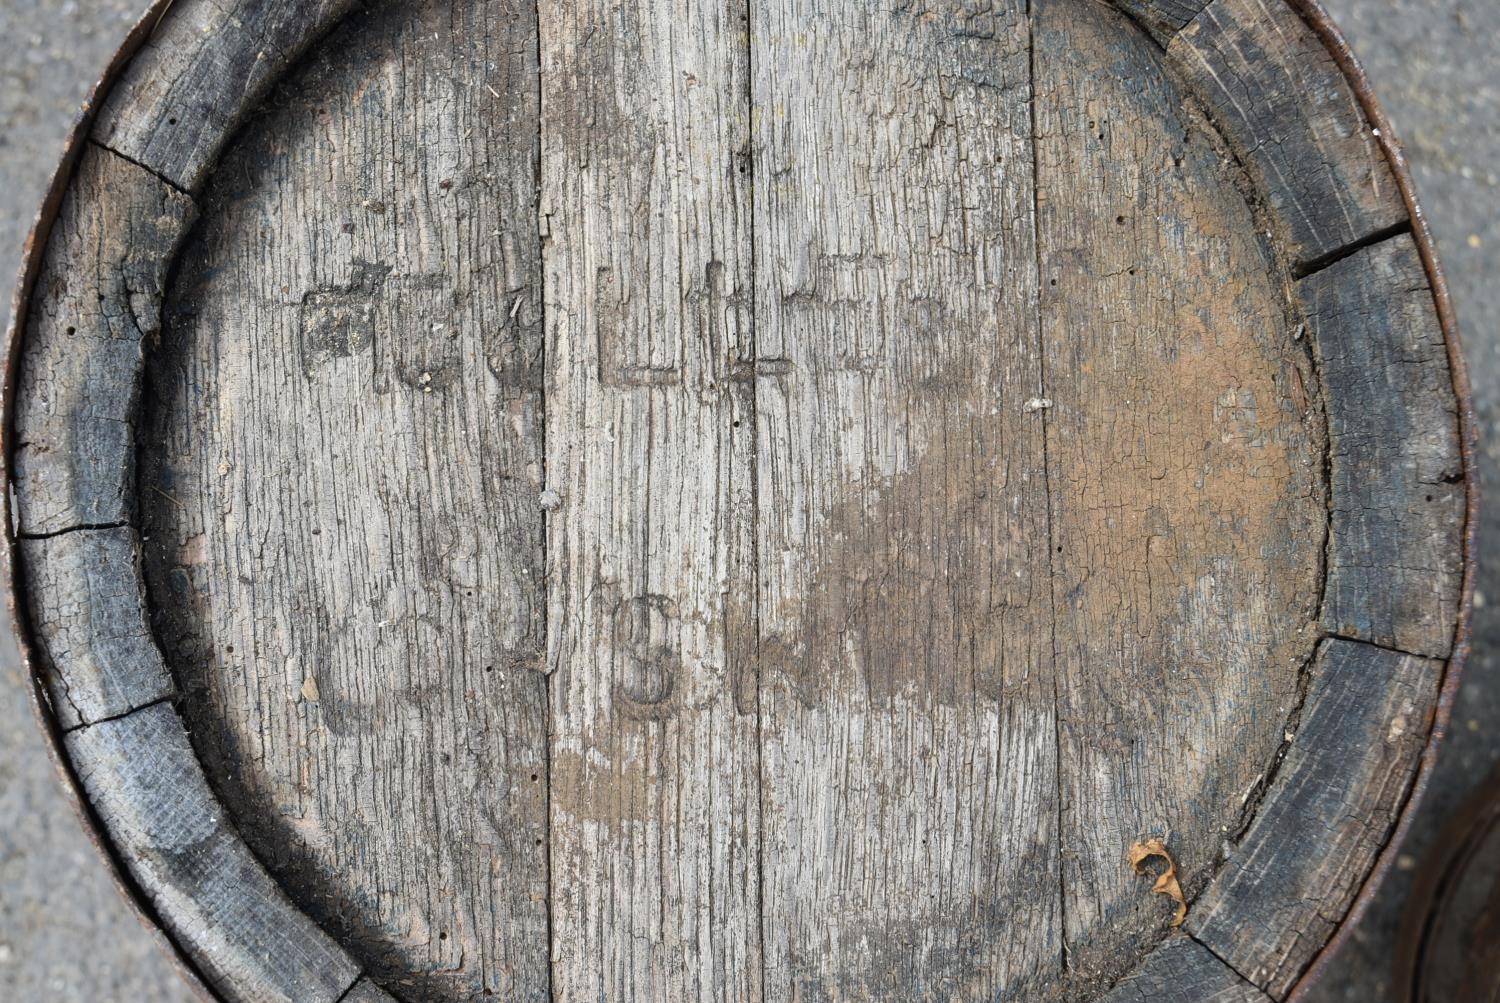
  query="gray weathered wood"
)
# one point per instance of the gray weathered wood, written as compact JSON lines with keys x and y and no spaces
{"x":218,"y":903}
{"x":1182,"y":970}
{"x":365,"y":991}
{"x":650,"y":473}
{"x":1399,"y":495}
{"x":95,"y":307}
{"x":1186,"y":567}
{"x":205,"y":67}
{"x":1333,"y":805}
{"x":1292,"y":117}
{"x":909,"y":761}
{"x":88,"y":613}
{"x":343,"y":496}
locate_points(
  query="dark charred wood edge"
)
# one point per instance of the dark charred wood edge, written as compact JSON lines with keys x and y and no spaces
{"x":1302,"y":861}
{"x":1309,"y":10}
{"x":1149,"y":15}
{"x":91,"y":686}
{"x":1308,"y":171}
{"x":1182,"y":970}
{"x":1312,"y":12}
{"x":162,"y":129}
{"x":365,"y":991}
{"x":16,"y":625}
{"x":1162,"y":19}
{"x":252,"y":942}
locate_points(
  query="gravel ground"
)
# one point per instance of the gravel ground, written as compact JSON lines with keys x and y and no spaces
{"x":65,"y":933}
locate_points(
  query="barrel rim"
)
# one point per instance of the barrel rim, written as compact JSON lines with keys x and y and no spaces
{"x":15,"y":622}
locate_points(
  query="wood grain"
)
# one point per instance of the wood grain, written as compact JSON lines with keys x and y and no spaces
{"x":650,"y":474}
{"x":907,"y":705}
{"x":205,"y":67}
{"x":343,"y":496}
{"x":221,"y":908}
{"x":1186,"y":565}
{"x":93,"y":313}
{"x":88,"y":613}
{"x":1162,"y":19}
{"x":365,"y":991}
{"x":1399,"y":495}
{"x":1289,"y":882}
{"x":1182,"y":970}
{"x":1280,"y":99}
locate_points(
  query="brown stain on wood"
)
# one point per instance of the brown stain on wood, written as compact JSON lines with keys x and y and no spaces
{"x":906,"y":598}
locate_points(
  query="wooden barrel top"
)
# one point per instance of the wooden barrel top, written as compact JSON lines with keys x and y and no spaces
{"x":802,"y":501}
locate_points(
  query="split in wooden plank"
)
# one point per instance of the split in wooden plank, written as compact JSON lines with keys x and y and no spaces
{"x":1332,"y":808}
{"x":93,"y":312}
{"x":224,"y":911}
{"x":88,"y":617}
{"x":1162,"y":19}
{"x":909,"y":771}
{"x":650,"y":446}
{"x":1188,"y":514}
{"x":1398,"y":488}
{"x":204,"y":69}
{"x":365,"y":991}
{"x":1283,"y":103}
{"x":1181,"y":970}
{"x":342,"y":493}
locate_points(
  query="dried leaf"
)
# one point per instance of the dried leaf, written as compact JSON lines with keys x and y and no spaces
{"x":1167,"y":883}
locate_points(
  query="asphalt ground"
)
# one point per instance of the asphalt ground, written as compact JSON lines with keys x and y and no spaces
{"x":65,"y":932}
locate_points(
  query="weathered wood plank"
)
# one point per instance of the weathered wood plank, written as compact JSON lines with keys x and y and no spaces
{"x":1399,"y":496}
{"x":1162,"y":19}
{"x":95,"y":307}
{"x":1278,"y":96}
{"x":1188,"y":520}
{"x":205,"y":68}
{"x":1181,"y":970}
{"x":909,"y":772}
{"x":343,"y":497}
{"x":650,"y":437}
{"x":1332,"y":808}
{"x":88,"y":613}
{"x":365,"y":991}
{"x":218,"y":903}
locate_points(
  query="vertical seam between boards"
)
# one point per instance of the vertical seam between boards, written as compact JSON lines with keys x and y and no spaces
{"x":1036,"y":234}
{"x":546,"y":556}
{"x":754,"y":432}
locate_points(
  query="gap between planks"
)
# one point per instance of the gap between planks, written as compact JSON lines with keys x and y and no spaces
{"x":748,"y":155}
{"x":82,"y":527}
{"x":158,"y":175}
{"x":1052,"y":548}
